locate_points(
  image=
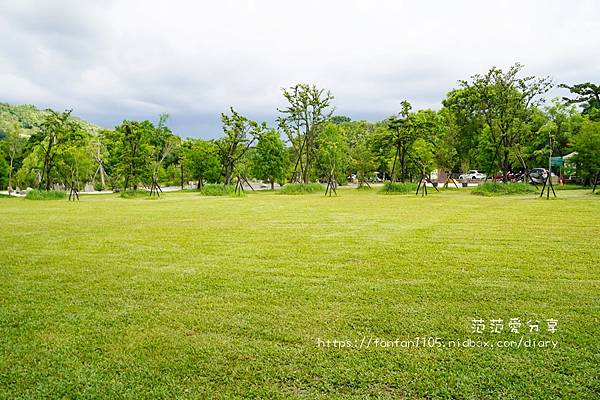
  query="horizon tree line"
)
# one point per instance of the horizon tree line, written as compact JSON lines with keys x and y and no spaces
{"x":496,"y":122}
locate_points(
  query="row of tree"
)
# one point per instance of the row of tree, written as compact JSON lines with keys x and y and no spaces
{"x":496,"y":122}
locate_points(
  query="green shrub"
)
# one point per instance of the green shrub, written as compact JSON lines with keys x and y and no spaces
{"x":3,"y":173}
{"x":217,"y":190}
{"x":502,"y":189}
{"x":135,"y":194}
{"x":45,"y":195}
{"x":301,"y":188}
{"x":569,"y":186}
{"x":399,"y":188}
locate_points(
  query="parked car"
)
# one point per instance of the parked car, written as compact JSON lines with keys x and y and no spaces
{"x":516,"y":176}
{"x":472,"y":174}
{"x":538,"y":175}
{"x":376,"y":177}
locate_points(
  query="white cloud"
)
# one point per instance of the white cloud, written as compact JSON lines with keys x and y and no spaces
{"x":133,"y":59}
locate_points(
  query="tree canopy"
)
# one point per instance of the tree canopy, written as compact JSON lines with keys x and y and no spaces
{"x":496,"y":122}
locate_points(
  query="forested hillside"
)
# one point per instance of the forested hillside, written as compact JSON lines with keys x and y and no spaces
{"x":29,"y":118}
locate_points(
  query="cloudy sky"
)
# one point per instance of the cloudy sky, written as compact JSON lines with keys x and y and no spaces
{"x":115,"y":60}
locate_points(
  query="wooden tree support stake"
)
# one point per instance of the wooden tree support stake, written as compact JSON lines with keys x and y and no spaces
{"x":496,"y":153}
{"x":547,"y":186}
{"x":362,"y":182}
{"x":155,"y":187}
{"x":239,"y":184}
{"x":423,"y":183}
{"x":331,"y":185}
{"x":73,"y":192}
{"x":448,"y":180}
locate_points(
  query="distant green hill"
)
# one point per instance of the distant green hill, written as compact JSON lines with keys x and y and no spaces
{"x":29,"y":118}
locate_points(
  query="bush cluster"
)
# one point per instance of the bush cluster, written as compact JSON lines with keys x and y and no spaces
{"x":398,"y":188}
{"x":45,"y":195}
{"x":217,"y":190}
{"x":502,"y":189}
{"x":135,"y":194}
{"x":301,"y":188}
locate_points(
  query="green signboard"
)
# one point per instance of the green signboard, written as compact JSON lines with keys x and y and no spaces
{"x":556,"y":161}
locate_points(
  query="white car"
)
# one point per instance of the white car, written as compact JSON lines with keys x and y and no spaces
{"x":472,"y":174}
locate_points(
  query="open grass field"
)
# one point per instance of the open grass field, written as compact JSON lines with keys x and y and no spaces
{"x":219,"y":297}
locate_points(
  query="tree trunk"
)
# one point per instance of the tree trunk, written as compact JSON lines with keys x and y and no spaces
{"x":102,"y":180}
{"x":132,"y":169}
{"x":393,"y":177}
{"x":272,"y":184}
{"x":505,"y":166}
{"x":227,"y":178}
{"x":10,"y":175}
{"x":181,"y":167}
{"x":48,"y":179}
{"x":403,"y":166}
{"x":306,"y":167}
{"x":309,"y":144}
{"x":228,"y":175}
{"x":47,"y":165}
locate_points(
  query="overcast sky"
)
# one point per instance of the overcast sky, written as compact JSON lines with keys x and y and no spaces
{"x":115,"y":60}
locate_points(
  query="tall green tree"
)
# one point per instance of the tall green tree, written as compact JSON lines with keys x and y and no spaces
{"x":30,"y":173}
{"x":588,"y":96}
{"x":427,"y":126}
{"x":202,"y":162}
{"x":363,"y":162}
{"x":131,"y":153}
{"x":75,"y":166}
{"x":162,"y":142}
{"x":58,"y":131}
{"x":464,"y":125}
{"x":99,"y":150}
{"x":14,"y":144}
{"x":557,"y":120}
{"x":331,"y":152}
{"x":422,"y":157}
{"x":587,"y":146}
{"x":240,"y":134}
{"x":359,"y":137}
{"x":269,"y":158}
{"x":401,"y":136}
{"x":504,"y":100}
{"x":443,"y":140}
{"x":308,"y":109}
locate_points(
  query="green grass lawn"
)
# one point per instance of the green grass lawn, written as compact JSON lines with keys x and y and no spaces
{"x":220,"y":297}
